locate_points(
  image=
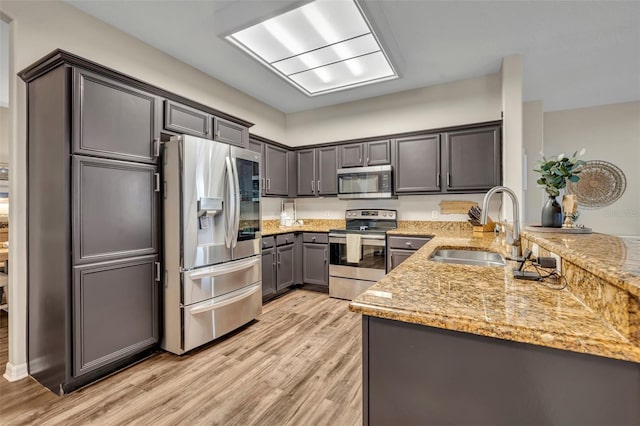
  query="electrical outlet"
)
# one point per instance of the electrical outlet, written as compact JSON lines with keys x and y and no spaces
{"x":558,"y":262}
{"x":535,"y":248}
{"x":434,"y":214}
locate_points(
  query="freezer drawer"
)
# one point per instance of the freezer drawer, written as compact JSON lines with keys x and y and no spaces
{"x":214,"y":281}
{"x":213,"y":318}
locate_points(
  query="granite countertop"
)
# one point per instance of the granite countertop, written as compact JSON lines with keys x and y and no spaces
{"x":487,"y":301}
{"x":612,"y":258}
{"x":272,"y":227}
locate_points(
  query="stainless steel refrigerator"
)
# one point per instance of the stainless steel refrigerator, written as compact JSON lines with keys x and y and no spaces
{"x":213,"y":274}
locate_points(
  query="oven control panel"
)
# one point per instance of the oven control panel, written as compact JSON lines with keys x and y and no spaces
{"x":370,"y":214}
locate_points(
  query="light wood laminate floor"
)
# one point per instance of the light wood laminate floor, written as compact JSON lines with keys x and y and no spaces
{"x":298,"y":364}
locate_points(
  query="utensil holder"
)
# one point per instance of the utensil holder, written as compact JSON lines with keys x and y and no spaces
{"x":488,"y":227}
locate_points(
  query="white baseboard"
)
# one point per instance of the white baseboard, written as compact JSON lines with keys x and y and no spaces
{"x":14,"y":373}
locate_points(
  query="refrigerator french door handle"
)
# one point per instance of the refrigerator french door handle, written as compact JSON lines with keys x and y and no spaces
{"x":231,"y":204}
{"x":236,"y":222}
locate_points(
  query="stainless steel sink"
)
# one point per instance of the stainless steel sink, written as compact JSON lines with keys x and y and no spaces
{"x":468,"y":257}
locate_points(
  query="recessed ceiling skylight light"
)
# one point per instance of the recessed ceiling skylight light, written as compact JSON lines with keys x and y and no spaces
{"x":321,"y":47}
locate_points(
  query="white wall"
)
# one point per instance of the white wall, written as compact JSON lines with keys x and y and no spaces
{"x":532,"y":141}
{"x":610,"y":133}
{"x":4,"y":63}
{"x":4,"y":134}
{"x":511,"y":73}
{"x":461,"y":102}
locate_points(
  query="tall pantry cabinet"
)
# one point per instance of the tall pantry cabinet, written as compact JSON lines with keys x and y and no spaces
{"x":93,"y":221}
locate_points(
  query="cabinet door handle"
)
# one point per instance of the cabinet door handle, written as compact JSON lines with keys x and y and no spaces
{"x":319,"y":187}
{"x":218,"y":134}
{"x":268,"y":183}
{"x":448,"y":180}
{"x":367,"y":160}
{"x":312,"y":186}
{"x":274,"y":259}
{"x":156,"y":147}
{"x":438,"y":180}
{"x":325,"y":255}
{"x":158,"y":271}
{"x":263,"y":188}
{"x":156,"y":184}
{"x":408,"y":243}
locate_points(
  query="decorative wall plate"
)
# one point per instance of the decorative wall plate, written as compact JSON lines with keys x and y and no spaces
{"x":601,"y":184}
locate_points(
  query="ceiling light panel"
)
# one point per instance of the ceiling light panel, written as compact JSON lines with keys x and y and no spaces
{"x":323,"y":46}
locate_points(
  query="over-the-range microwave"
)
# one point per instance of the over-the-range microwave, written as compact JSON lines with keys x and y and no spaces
{"x":365,"y":182}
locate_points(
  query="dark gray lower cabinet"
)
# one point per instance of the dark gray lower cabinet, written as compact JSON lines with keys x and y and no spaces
{"x":286,"y":266}
{"x":419,"y":375}
{"x":269,"y":272}
{"x":315,"y":267}
{"x":396,"y":257}
{"x":115,"y":311}
{"x":400,"y":247}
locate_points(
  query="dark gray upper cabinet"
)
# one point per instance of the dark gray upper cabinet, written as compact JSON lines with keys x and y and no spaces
{"x":417,"y":164}
{"x":114,"y":120}
{"x":285,"y":265}
{"x":378,"y":153}
{"x":472,"y":159}
{"x":181,"y":119}
{"x":326,"y":172}
{"x":269,"y":273}
{"x":306,"y":167}
{"x":375,"y":153}
{"x":114,"y":209}
{"x":352,"y":155}
{"x":229,"y":132}
{"x":255,"y":146}
{"x":115,"y":311}
{"x":317,"y":171}
{"x":276,"y":168}
{"x":315,"y":268}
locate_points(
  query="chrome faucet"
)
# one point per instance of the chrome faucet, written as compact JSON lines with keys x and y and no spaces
{"x":512,"y":238}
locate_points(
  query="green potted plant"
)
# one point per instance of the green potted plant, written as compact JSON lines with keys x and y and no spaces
{"x":554,"y":174}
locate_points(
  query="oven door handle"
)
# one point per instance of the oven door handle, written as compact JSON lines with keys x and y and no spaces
{"x":363,"y":241}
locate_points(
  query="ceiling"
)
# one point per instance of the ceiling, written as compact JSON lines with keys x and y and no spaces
{"x":575,"y":53}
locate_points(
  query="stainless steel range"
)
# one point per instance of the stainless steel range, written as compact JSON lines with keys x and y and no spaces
{"x":358,"y":252}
